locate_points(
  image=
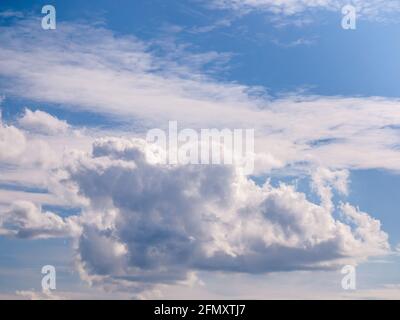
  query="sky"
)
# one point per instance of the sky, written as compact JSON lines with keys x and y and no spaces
{"x":83,"y":190}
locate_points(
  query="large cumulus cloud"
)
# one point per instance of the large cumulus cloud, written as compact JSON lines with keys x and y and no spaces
{"x":149,"y":223}
{"x":144,"y":223}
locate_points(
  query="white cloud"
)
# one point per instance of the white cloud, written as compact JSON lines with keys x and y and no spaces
{"x":325,"y":180}
{"x":110,"y":75}
{"x":25,"y":220}
{"x":12,"y":142}
{"x":295,"y":43}
{"x":159,"y":223}
{"x":144,"y":224}
{"x":18,"y":149}
{"x":27,"y":160}
{"x":123,"y":78}
{"x":287,"y":7}
{"x":365,"y":227}
{"x":11,"y":14}
{"x":366,"y":8}
{"x":42,"y":122}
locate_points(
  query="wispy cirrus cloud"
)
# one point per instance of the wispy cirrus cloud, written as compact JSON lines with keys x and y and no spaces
{"x":91,"y":69}
{"x":372,"y":9}
{"x":11,"y":14}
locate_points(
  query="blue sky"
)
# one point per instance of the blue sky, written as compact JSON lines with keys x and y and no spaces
{"x":323,"y":102}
